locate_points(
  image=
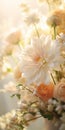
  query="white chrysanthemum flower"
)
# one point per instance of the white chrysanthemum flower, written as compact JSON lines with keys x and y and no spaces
{"x":38,"y":58}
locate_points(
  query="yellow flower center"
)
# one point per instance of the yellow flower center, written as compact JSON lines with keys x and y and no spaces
{"x":40,"y":59}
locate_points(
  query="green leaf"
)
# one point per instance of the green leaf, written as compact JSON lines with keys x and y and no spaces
{"x":13,"y":95}
{"x":18,"y":95}
{"x":59,"y":75}
{"x":46,"y":114}
{"x":19,"y":85}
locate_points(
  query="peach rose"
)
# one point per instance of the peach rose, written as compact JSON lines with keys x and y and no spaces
{"x":45,"y":92}
{"x":59,"y":90}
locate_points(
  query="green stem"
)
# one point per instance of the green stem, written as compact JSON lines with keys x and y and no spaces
{"x":34,"y":118}
{"x":33,"y":103}
{"x":53,"y":79}
{"x":54,"y":27}
{"x":36,"y":30}
{"x":48,"y":4}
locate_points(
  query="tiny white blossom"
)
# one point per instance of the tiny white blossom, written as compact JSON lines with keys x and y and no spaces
{"x":50,"y":108}
{"x":62,"y":127}
{"x":63,"y":117}
{"x":59,"y":109}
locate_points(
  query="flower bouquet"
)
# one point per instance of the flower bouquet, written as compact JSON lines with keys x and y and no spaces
{"x":35,"y":55}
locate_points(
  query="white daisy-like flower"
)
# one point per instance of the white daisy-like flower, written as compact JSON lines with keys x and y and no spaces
{"x":32,"y":18}
{"x":39,"y":58}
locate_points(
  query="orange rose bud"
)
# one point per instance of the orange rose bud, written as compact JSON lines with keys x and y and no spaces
{"x":45,"y":92}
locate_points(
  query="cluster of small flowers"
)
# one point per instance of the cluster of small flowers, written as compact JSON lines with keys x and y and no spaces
{"x":5,"y":120}
{"x":19,"y":119}
{"x":53,"y":110}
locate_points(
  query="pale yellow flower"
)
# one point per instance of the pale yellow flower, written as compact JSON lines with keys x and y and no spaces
{"x":8,"y":49}
{"x":24,"y":7}
{"x":60,"y":14}
{"x":52,"y":2}
{"x":59,"y":90}
{"x":32,"y":18}
{"x":13,"y":37}
{"x":53,"y":20}
{"x":41,"y":0}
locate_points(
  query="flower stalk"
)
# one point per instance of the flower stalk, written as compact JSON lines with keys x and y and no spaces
{"x":36,"y":30}
{"x":54,"y":28}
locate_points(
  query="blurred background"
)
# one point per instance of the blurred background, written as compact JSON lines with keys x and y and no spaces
{"x":10,"y":14}
{"x":10,"y":17}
